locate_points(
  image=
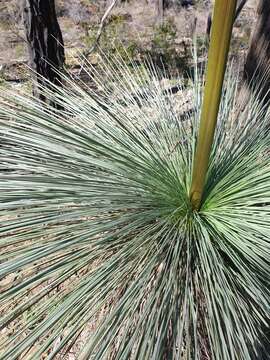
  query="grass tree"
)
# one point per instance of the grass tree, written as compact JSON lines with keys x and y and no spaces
{"x":105,"y":250}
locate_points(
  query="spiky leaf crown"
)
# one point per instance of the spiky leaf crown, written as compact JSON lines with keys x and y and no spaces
{"x":101,"y":252}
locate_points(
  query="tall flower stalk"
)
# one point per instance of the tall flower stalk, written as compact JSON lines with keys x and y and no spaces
{"x":223,"y":19}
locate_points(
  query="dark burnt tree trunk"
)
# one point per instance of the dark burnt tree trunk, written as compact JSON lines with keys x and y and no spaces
{"x":45,"y":43}
{"x":257,"y":77}
{"x":257,"y":64}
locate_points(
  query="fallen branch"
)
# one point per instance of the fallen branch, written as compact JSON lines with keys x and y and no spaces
{"x":100,"y":29}
{"x":86,"y":53}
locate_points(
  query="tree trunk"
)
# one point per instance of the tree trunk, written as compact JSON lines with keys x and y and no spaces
{"x":45,"y":43}
{"x":257,"y":77}
{"x":256,"y":68}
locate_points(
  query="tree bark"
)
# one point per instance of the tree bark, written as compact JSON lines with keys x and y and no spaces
{"x":45,"y":43}
{"x":256,"y":68}
{"x":257,"y":77}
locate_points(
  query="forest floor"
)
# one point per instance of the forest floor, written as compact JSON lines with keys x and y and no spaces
{"x":134,"y":24}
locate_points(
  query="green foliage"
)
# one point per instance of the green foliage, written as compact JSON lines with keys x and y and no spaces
{"x":165,"y":52}
{"x":162,"y":48}
{"x":165,"y":33}
{"x":97,"y":230}
{"x":115,"y":38}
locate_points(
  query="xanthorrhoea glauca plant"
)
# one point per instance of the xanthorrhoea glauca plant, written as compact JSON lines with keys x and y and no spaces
{"x":103,"y":253}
